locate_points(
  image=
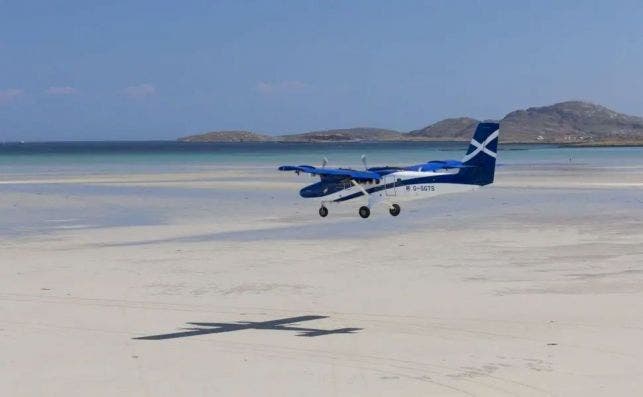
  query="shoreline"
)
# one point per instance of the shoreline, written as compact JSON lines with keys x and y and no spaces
{"x":308,"y":142}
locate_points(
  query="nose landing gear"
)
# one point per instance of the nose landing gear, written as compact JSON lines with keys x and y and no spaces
{"x":364,"y":212}
{"x":323,"y":211}
{"x":394,"y":210}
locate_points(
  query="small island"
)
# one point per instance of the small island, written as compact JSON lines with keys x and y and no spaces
{"x":227,"y":136}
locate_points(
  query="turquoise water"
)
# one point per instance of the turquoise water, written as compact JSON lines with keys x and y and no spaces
{"x":97,"y":157}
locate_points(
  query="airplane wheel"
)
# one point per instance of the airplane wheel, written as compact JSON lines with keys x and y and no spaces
{"x":364,"y":212}
{"x":323,"y":211}
{"x":394,"y":210}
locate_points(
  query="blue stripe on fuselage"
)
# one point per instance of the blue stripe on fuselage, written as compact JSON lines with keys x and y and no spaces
{"x":415,"y":181}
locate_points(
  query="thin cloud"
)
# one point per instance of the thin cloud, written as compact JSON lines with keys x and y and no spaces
{"x":9,"y":95}
{"x":281,"y":87}
{"x":140,"y":91}
{"x":64,"y":90}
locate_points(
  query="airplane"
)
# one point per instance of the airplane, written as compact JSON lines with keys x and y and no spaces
{"x":282,"y":324}
{"x":391,"y":185}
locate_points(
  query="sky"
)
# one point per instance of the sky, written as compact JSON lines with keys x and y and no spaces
{"x":135,"y":70}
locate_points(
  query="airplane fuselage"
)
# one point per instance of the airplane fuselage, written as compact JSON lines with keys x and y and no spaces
{"x":403,"y":185}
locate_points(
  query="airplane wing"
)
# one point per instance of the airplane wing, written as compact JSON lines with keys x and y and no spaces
{"x":345,"y":172}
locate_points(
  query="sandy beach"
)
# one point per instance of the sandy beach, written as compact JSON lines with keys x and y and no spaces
{"x":531,"y":287}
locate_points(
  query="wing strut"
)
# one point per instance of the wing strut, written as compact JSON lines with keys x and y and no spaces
{"x":367,"y":194}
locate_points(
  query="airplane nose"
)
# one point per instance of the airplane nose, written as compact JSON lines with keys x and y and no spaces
{"x":308,"y":193}
{"x":311,"y":191}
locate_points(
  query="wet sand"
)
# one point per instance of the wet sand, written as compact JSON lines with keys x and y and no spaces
{"x":533,"y":286}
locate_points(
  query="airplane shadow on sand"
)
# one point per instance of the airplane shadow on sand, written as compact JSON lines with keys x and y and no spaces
{"x":284,"y":324}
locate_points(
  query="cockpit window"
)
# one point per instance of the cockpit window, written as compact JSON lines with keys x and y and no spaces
{"x":344,"y":183}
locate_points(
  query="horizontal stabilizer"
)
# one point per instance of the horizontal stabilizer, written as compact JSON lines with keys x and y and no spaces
{"x":436,"y":165}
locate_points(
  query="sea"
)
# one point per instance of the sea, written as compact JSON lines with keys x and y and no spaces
{"x":24,"y":165}
{"x":172,"y":156}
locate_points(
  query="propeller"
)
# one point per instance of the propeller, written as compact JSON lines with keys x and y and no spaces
{"x":323,"y":164}
{"x":364,"y":162}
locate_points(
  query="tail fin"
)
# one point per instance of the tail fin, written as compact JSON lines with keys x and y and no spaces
{"x":482,"y":153}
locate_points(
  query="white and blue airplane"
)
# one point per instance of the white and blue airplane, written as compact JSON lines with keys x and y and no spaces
{"x":391,"y":185}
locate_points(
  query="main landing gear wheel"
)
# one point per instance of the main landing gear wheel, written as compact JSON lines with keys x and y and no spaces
{"x":364,"y":212}
{"x":394,"y":210}
{"x":323,"y":211}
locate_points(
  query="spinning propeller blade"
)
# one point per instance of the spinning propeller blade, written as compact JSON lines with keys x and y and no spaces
{"x":364,"y":161}
{"x":323,"y":165}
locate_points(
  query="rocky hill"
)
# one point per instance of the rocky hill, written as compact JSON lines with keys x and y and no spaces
{"x":572,"y":122}
{"x":227,"y":136}
{"x":344,"y":135}
{"x":453,"y":129}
